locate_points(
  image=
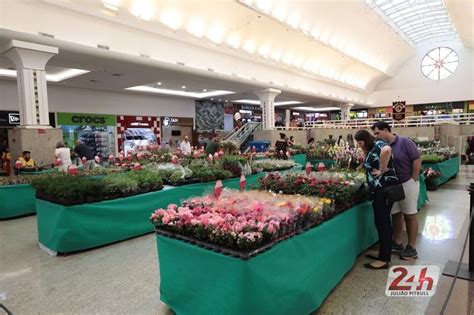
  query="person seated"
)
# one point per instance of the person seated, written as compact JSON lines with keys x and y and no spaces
{"x":27,"y":163}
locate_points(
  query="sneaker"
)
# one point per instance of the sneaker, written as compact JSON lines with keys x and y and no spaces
{"x":397,"y":248}
{"x":409,"y":253}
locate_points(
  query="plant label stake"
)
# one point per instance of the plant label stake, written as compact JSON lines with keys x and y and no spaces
{"x":58,"y":162}
{"x":97,"y":159}
{"x":243,"y":182}
{"x":111,"y":158}
{"x":72,"y":170}
{"x":18,"y":166}
{"x":308,"y":168}
{"x":321,"y":167}
{"x":83,"y":160}
{"x":218,"y":189}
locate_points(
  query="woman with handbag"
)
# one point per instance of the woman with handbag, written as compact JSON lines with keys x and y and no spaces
{"x":381,"y":178}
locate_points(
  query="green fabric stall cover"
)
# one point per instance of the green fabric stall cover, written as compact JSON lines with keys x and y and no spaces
{"x":448,"y":169}
{"x":423,"y":196}
{"x":67,"y":229}
{"x":293,"y":277}
{"x":299,"y":158}
{"x":16,"y":200}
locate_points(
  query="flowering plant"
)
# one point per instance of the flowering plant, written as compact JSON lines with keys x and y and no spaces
{"x":322,"y":152}
{"x":268,"y":165}
{"x":242,"y":221}
{"x":345,"y":191}
{"x":431,"y":174}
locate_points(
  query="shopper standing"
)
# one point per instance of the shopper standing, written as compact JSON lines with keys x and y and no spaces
{"x":83,"y":151}
{"x":281,"y":146}
{"x":185,"y":146}
{"x":64,"y":154}
{"x":408,"y":165}
{"x":340,"y":142}
{"x":380,"y":173}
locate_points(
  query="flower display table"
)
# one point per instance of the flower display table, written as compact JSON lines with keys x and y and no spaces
{"x":448,"y":169}
{"x":65,"y":229}
{"x":16,"y":200}
{"x":293,"y":277}
{"x":299,"y":158}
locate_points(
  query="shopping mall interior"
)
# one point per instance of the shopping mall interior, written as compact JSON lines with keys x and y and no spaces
{"x":236,"y":157}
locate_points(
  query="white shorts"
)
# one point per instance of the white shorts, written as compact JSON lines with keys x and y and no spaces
{"x":408,"y":205}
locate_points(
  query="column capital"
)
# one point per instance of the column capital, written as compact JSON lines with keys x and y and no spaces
{"x":27,"y":55}
{"x":269,"y":93}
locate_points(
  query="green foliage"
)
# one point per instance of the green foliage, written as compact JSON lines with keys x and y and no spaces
{"x":432,"y":158}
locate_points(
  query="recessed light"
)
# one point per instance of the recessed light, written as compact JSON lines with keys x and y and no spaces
{"x":226,"y":100}
{"x":183,"y":87}
{"x":220,"y":100}
{"x":204,"y":90}
{"x":159,"y":83}
{"x":212,"y":99}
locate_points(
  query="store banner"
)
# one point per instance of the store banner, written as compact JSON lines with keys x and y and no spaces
{"x":81,"y":119}
{"x":398,"y":110}
{"x":12,"y":119}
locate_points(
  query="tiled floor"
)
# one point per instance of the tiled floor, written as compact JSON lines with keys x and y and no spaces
{"x":123,"y":278}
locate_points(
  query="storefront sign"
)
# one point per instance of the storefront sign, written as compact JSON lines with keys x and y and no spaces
{"x":177,"y":121}
{"x":80,"y":119}
{"x":398,"y":110}
{"x":251,"y":107}
{"x":12,"y":119}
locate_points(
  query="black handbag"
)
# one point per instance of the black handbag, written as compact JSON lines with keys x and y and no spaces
{"x":395,"y":192}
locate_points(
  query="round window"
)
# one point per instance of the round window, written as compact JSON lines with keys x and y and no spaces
{"x":439,"y":63}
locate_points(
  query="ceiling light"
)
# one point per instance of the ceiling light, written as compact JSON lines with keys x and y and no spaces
{"x":264,"y":51}
{"x":183,"y":87}
{"x":293,"y":20}
{"x":248,"y":2}
{"x":264,"y":5}
{"x":288,"y":58}
{"x":57,"y":77}
{"x":212,"y":99}
{"x":298,"y":62}
{"x":234,"y":40}
{"x":287,"y":103}
{"x":317,"y":109}
{"x":204,"y":90}
{"x":305,"y":28}
{"x":143,"y":9}
{"x":279,"y":13}
{"x":216,"y":34}
{"x":196,"y":27}
{"x":150,"y":89}
{"x":111,"y":4}
{"x":315,"y":32}
{"x":276,"y":55}
{"x":171,"y":18}
{"x":249,"y":46}
{"x":253,"y":102}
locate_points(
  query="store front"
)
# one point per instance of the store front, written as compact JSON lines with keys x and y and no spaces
{"x":11,"y":119}
{"x":249,"y":113}
{"x":316,"y":116}
{"x":174,"y":129}
{"x":440,"y":108}
{"x":94,"y":130}
{"x":134,"y":131}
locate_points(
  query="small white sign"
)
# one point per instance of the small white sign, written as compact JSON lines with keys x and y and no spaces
{"x":412,"y":281}
{"x":14,"y":119}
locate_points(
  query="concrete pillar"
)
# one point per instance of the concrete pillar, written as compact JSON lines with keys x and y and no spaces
{"x":267,"y":102}
{"x":30,"y":61}
{"x":346,"y":111}
{"x":287,"y":118}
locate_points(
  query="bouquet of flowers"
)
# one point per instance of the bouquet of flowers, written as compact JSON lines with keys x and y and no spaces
{"x":431,"y":174}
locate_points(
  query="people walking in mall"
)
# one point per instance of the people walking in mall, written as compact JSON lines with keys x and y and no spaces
{"x":83,"y":151}
{"x":379,"y":171}
{"x":281,"y":146}
{"x":63,"y":153}
{"x":408,"y":165}
{"x":185,"y":146}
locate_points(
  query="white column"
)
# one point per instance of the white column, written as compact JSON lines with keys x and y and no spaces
{"x":267,"y":102}
{"x":346,"y":111}
{"x":30,"y":61}
{"x":287,"y":118}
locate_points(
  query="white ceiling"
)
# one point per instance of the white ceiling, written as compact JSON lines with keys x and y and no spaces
{"x":343,"y":43}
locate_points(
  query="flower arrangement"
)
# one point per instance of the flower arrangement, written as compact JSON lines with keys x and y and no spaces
{"x":432,"y":158}
{"x":269,"y":165}
{"x":322,"y":152}
{"x":345,"y":191}
{"x":241,"y":223}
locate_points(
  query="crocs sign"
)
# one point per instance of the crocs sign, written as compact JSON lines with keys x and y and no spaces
{"x":74,"y":119}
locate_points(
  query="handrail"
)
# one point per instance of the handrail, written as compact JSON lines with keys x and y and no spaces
{"x":241,"y":134}
{"x":410,"y":121}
